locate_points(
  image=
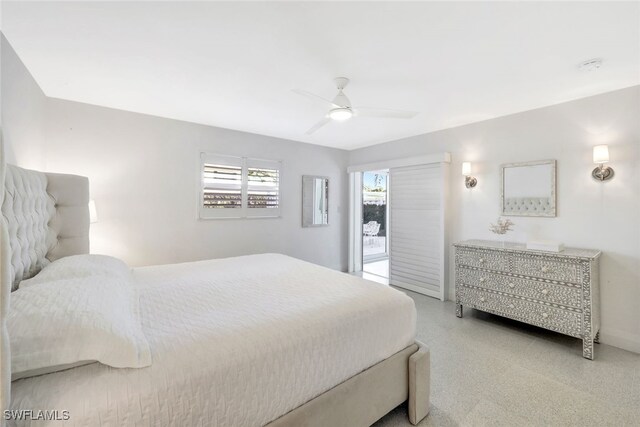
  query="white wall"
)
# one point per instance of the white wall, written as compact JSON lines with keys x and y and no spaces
{"x":23,"y":111}
{"x":591,"y":214}
{"x":144,"y":174}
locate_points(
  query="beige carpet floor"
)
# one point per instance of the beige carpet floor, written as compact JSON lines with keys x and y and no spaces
{"x":491,"y":371}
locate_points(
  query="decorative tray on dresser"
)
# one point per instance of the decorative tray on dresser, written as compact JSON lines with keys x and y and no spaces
{"x":557,"y":291}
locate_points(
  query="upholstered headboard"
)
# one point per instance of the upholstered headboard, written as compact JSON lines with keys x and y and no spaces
{"x":526,"y":206}
{"x":46,"y":216}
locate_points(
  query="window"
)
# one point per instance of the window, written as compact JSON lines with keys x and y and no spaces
{"x":221,"y":186}
{"x":238,"y":187}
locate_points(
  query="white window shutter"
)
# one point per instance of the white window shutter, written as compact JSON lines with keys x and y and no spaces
{"x":416,"y":235}
{"x":221,"y":186}
{"x":237,"y":187}
{"x":263,"y":188}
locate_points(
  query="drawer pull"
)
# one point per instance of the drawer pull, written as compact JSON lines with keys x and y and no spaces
{"x":544,"y":291}
{"x":482,"y":280}
{"x":512,"y":285}
{"x":545,"y":315}
{"x":482,"y":299}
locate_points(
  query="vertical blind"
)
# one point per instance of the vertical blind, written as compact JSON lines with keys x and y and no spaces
{"x":416,"y":234}
{"x":238,"y":187}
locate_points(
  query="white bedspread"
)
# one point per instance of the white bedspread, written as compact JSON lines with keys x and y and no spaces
{"x":234,"y":342}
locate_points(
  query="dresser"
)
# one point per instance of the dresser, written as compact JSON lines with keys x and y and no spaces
{"x":556,"y":291}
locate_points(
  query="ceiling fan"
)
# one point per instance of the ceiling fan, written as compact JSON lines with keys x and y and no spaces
{"x":341,"y":109}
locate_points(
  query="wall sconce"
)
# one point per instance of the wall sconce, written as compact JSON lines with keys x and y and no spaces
{"x":469,"y":181}
{"x":600,"y":157}
{"x":93,"y":212}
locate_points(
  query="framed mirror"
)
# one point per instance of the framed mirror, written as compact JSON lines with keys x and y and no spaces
{"x":315,"y":201}
{"x":528,"y":189}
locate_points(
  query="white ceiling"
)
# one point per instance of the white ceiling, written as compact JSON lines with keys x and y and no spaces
{"x":234,"y":65}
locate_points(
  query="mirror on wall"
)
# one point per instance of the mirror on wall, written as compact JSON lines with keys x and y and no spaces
{"x":315,"y":201}
{"x":529,"y":189}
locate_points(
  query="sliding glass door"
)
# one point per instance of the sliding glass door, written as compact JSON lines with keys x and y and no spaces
{"x":408,"y":235}
{"x":375,"y":247}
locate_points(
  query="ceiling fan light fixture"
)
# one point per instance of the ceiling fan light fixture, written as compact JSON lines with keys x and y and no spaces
{"x":341,"y":110}
{"x":340,"y":114}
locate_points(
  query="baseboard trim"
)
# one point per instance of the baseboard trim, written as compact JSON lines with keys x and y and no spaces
{"x":620,"y":339}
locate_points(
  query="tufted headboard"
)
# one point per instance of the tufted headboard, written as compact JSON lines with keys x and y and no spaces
{"x":46,"y":217}
{"x":526,"y":206}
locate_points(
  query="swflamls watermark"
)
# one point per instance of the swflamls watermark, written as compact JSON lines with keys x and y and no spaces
{"x":36,"y":415}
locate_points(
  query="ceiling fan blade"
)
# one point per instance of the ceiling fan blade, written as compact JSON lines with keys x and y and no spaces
{"x":312,"y":96}
{"x":318,"y":125}
{"x":384,"y":113}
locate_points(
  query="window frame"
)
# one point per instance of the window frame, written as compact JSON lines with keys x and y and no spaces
{"x":245,"y":163}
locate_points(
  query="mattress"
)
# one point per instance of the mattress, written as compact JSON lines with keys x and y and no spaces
{"x":235,"y":342}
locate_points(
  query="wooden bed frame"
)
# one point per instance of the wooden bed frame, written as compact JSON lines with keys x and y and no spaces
{"x":359,"y":401}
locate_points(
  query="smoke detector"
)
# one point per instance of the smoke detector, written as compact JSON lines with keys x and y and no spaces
{"x":591,"y":64}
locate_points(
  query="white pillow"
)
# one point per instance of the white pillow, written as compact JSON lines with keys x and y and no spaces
{"x":65,"y":323}
{"x":77,"y":266}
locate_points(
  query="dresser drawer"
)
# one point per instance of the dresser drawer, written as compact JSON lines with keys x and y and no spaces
{"x":548,"y":292}
{"x":547,"y":268}
{"x":541,"y":288}
{"x":482,"y":259}
{"x":556,"y":319}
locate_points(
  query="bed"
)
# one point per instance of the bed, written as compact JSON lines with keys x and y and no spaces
{"x":247,"y":341}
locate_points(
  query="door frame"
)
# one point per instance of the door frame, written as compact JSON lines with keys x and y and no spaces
{"x":355,"y":207}
{"x":355,"y":222}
